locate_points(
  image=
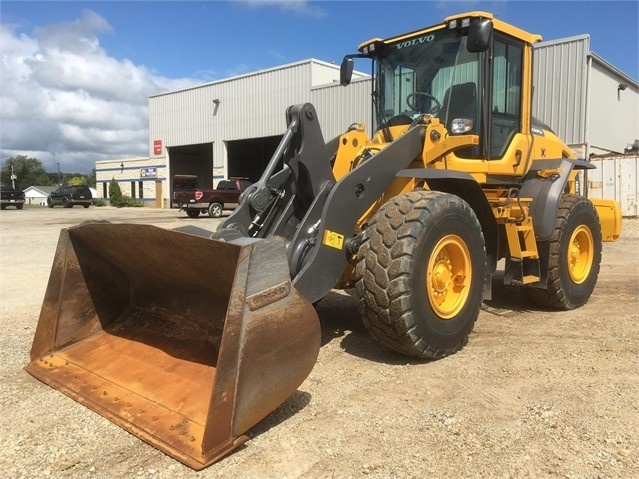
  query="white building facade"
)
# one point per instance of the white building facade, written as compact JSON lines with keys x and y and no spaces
{"x":140,"y":178}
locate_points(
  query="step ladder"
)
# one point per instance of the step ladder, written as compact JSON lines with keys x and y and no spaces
{"x":512,"y":211}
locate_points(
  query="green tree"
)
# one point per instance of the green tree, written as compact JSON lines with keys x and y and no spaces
{"x":28,"y":171}
{"x":78,"y":181}
{"x":116,"y":198}
{"x":115,"y":193}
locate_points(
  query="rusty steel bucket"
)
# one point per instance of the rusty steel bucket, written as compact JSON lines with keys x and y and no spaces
{"x":184,"y":341}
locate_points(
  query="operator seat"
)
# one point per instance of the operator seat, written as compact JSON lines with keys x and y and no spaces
{"x":460,"y":101}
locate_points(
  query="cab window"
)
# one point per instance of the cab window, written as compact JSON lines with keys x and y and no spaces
{"x":506,"y":95}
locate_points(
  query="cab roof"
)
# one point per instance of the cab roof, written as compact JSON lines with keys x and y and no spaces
{"x":498,"y":25}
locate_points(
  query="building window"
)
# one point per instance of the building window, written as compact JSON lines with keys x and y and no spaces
{"x":141,"y":190}
{"x":133,"y":189}
{"x":104,"y":190}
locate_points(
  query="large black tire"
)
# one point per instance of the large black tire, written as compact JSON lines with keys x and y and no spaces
{"x":191,"y":213}
{"x":20,"y":206}
{"x":49,"y":203}
{"x":574,"y":256}
{"x":66,"y":203}
{"x":215,"y":210}
{"x":420,"y":274}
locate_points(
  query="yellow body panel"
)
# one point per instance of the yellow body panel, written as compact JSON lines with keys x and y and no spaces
{"x":609,"y":213}
{"x":445,"y":151}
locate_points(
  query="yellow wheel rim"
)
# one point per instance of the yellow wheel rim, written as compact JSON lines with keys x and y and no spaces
{"x":448,"y":276}
{"x":580,"y":254}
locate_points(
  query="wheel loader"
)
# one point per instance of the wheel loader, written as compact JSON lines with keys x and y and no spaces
{"x":457,"y":181}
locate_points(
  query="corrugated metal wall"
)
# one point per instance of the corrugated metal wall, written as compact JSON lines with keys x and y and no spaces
{"x":577,"y":94}
{"x":323,"y":73}
{"x":559,"y":81}
{"x":339,"y":107}
{"x":250,"y":106}
{"x":613,"y":113}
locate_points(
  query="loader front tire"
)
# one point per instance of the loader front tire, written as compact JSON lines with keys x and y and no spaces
{"x":420,"y":274}
{"x":574,"y":256}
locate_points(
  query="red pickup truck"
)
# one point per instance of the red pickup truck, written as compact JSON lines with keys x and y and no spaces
{"x":188,"y":197}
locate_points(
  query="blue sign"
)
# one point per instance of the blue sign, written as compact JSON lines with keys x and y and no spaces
{"x":151,"y":172}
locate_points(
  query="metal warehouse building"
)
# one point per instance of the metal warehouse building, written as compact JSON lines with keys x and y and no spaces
{"x":230,"y":128}
{"x":590,"y":104}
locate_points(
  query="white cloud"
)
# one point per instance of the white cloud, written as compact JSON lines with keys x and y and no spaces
{"x":64,"y":99}
{"x":300,"y":7}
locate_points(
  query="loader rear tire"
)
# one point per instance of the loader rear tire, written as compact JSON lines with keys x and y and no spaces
{"x":420,"y":274}
{"x":574,"y":256}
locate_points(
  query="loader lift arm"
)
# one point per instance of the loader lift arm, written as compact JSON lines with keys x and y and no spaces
{"x":304,"y":203}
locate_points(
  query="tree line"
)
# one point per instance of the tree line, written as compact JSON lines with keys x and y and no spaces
{"x":30,"y":172}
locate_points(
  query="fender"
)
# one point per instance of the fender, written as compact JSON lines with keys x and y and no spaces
{"x":546,"y":190}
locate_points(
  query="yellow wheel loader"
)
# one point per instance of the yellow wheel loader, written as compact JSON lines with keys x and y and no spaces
{"x":457,"y":176}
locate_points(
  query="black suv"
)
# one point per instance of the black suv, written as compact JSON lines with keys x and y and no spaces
{"x":69,"y":196}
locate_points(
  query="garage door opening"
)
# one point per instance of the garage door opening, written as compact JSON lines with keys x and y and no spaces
{"x":248,"y":158}
{"x":192,"y":160}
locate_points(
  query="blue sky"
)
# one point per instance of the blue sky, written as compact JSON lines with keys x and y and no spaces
{"x":79,"y":73}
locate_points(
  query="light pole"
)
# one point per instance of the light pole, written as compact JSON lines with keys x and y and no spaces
{"x":59,"y":178}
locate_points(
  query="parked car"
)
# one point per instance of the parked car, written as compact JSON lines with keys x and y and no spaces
{"x":69,"y":196}
{"x":11,"y":197}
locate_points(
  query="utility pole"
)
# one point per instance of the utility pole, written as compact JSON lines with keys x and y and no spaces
{"x":59,"y":177}
{"x":13,"y":178}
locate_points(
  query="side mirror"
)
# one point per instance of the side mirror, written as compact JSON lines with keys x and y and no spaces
{"x":480,"y":33}
{"x":346,"y":71}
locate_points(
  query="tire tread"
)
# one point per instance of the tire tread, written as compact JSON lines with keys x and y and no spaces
{"x":383,"y":278}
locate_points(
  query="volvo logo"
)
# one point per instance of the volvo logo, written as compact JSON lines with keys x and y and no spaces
{"x":415,"y":41}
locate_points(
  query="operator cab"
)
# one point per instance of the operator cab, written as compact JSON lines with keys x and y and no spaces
{"x":444,"y":71}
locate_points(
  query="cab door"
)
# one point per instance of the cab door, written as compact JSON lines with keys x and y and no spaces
{"x":509,"y":137}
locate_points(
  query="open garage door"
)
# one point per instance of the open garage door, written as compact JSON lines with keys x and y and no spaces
{"x":192,"y":160}
{"x":248,"y":158}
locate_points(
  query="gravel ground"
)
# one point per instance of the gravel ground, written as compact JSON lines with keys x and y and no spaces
{"x":534,"y":394}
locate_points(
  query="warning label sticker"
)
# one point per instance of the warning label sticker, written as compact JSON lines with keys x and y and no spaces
{"x":333,"y":239}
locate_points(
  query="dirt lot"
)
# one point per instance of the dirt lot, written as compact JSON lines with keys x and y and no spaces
{"x":534,"y":394}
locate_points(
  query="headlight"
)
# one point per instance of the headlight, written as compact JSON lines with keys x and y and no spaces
{"x":461,"y":125}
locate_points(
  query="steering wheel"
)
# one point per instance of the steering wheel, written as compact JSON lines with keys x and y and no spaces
{"x":412,"y":96}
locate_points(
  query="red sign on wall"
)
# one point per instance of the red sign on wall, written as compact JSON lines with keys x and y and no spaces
{"x":157,"y":147}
